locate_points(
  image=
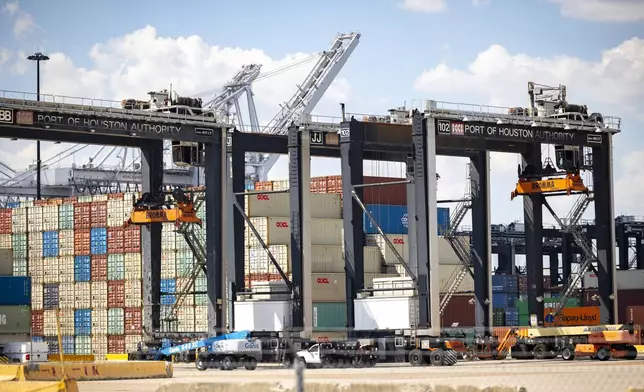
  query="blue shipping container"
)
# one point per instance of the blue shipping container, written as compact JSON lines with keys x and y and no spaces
{"x":52,"y":342}
{"x":82,"y":268}
{"x":511,"y":317}
{"x":98,"y":241}
{"x":68,"y":344}
{"x":505,"y":284}
{"x":503,"y":300}
{"x":83,"y":322}
{"x":37,"y":339}
{"x":15,"y":290}
{"x":13,"y":204}
{"x":168,"y":286}
{"x":50,"y":296}
{"x":394,"y":219}
{"x":50,"y":244}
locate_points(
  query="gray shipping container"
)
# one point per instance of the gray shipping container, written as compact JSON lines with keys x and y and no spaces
{"x":6,"y":262}
{"x":15,"y":319}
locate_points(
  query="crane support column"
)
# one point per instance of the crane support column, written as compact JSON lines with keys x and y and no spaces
{"x":553,"y":268}
{"x":622,"y":245}
{"x":605,"y":229}
{"x":151,"y":181}
{"x":236,"y":263}
{"x":423,"y":135}
{"x":215,"y":188}
{"x":639,"y":249}
{"x":567,"y":252}
{"x":299,"y":182}
{"x":351,"y":153}
{"x":411,"y":223}
{"x":482,"y":238}
{"x":504,"y":257}
{"x":533,"y":219}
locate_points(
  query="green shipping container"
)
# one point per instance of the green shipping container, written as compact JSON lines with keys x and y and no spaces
{"x":549,"y":303}
{"x":329,"y":315}
{"x":15,"y":319}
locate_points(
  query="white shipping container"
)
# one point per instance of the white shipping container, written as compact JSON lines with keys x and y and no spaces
{"x":20,"y":267}
{"x":186,"y":319}
{"x":132,"y":266}
{"x":131,"y":342}
{"x":133,"y":295}
{"x":323,"y":205}
{"x":168,"y":237}
{"x":625,"y":279}
{"x":83,"y":295}
{"x":116,"y":213}
{"x":50,"y":217}
{"x":5,"y":241}
{"x":36,"y":295}
{"x":280,"y":185}
{"x":182,"y":286}
{"x":51,"y":269}
{"x":66,"y":243}
{"x":66,"y":265}
{"x":34,"y":219}
{"x":36,"y":267}
{"x":446,"y":254}
{"x":83,"y":345}
{"x":99,"y":295}
{"x":201,"y":318}
{"x":115,"y":321}
{"x":101,"y":197}
{"x":273,"y":316}
{"x":99,"y":347}
{"x":66,"y":295}
{"x":49,"y":323}
{"x":67,"y":322}
{"x":276,"y":231}
{"x":19,"y":220}
{"x":386,"y":313}
{"x":168,"y":264}
{"x":446,"y":274}
{"x":84,"y":199}
{"x":34,"y":242}
{"x":99,"y":321}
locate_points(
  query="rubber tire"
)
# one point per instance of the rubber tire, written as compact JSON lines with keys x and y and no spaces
{"x":416,"y":358}
{"x":603,"y":354}
{"x":200,"y":365}
{"x":227,"y":363}
{"x":540,"y":352}
{"x":357,"y":362}
{"x":521,"y":352}
{"x":436,"y":357}
{"x":568,"y":354}
{"x":631,"y":353}
{"x":251,"y":364}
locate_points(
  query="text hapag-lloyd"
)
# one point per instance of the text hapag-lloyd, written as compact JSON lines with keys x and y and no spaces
{"x":517,"y":132}
{"x":579,"y":318}
{"x":108,"y":124}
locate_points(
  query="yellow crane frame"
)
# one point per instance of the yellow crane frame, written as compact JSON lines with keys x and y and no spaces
{"x":571,"y":183}
{"x":180,"y":211}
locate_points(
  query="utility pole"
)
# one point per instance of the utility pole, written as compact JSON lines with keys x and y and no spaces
{"x":38,"y":57}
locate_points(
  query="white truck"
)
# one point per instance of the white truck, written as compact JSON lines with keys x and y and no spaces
{"x":230,"y":354}
{"x":24,"y":352}
{"x":337,"y":354}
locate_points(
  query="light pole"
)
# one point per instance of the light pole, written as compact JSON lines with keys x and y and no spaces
{"x":38,"y":57}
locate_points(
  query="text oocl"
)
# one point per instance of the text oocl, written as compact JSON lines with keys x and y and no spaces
{"x":323,"y":281}
{"x":281,"y":224}
{"x":398,"y":241}
{"x":263,"y":197}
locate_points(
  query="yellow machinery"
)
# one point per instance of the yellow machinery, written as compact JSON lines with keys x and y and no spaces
{"x":605,"y":345}
{"x":157,"y":209}
{"x":551,"y":180}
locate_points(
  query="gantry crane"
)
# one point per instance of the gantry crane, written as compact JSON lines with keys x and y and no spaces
{"x":302,"y":103}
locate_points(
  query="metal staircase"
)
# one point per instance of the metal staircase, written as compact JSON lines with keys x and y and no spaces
{"x":462,"y":249}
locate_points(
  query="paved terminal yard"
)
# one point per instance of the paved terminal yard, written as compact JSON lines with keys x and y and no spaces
{"x":536,"y":376}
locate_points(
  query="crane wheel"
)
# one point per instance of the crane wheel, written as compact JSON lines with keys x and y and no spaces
{"x":436,"y":357}
{"x":603,"y":354}
{"x":540,"y":351}
{"x":416,"y":358}
{"x":631,"y":353}
{"x":568,"y":354}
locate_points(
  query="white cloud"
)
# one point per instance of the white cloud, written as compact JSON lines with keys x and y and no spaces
{"x":23,"y":22}
{"x":480,"y":2}
{"x":428,"y":6}
{"x":603,"y":10}
{"x":611,"y":85}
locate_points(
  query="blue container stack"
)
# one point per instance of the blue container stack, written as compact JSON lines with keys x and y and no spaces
{"x":393,"y":219}
{"x":16,"y":291}
{"x":50,"y":244}
{"x":98,"y":241}
{"x":83,"y":322}
{"x":505,"y":292}
{"x":82,"y":268}
{"x":68,"y":344}
{"x":168,"y":286}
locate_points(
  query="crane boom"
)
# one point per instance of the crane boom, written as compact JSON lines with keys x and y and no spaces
{"x":307,"y":96}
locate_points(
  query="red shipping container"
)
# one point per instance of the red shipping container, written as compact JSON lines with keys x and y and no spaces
{"x":635,"y":315}
{"x":132,"y":240}
{"x":252,"y":278}
{"x":627,"y":299}
{"x":99,"y":214}
{"x":133,"y":321}
{"x":40,"y":202}
{"x":116,"y":344}
{"x":459,"y":310}
{"x":318,"y":185}
{"x":99,"y":268}
{"x":82,"y":242}
{"x":264,"y":186}
{"x":5,"y":221}
{"x":56,"y":201}
{"x":37,"y":322}
{"x":387,"y":194}
{"x":70,"y":200}
{"x":115,"y":237}
{"x":116,"y":294}
{"x":115,"y":196}
{"x":82,"y":216}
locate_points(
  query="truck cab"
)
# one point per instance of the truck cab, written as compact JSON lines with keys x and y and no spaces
{"x":312,"y":356}
{"x":25,"y":352}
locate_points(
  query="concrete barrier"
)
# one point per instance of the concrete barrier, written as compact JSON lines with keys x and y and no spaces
{"x":640,"y":350}
{"x":39,"y":386}
{"x":98,"y":371}
{"x":10,"y":372}
{"x":71,"y":358}
{"x":116,"y":357}
{"x":328,"y":387}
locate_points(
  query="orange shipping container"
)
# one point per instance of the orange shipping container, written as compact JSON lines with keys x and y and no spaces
{"x":569,"y":317}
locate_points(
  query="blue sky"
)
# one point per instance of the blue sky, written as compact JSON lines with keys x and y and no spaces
{"x":482,"y":53}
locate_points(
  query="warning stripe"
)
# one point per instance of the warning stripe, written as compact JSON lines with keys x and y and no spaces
{"x":4,"y":359}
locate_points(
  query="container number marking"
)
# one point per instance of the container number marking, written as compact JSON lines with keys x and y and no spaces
{"x":6,"y":116}
{"x":3,"y":319}
{"x":317,"y":137}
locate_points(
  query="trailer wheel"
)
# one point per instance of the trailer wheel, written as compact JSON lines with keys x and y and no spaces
{"x":436,"y":357}
{"x":568,"y":354}
{"x":251,"y":364}
{"x":631,"y":352}
{"x":200,"y":365}
{"x":357,"y":362}
{"x":603,"y":354}
{"x":470,"y":354}
{"x":227,"y":364}
{"x":415,"y":358}
{"x":540,"y":351}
